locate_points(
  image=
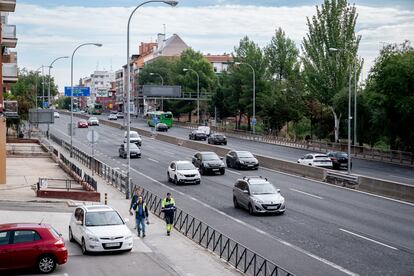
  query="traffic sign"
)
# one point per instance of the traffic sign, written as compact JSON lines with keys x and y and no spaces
{"x":254,"y":121}
{"x":45,"y":104}
{"x":92,"y":136}
{"x":78,"y":91}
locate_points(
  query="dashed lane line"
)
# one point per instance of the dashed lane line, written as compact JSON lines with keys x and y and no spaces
{"x":368,"y":239}
{"x":305,"y":193}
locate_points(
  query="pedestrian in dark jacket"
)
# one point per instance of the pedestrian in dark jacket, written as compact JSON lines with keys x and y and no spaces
{"x":141,"y":213}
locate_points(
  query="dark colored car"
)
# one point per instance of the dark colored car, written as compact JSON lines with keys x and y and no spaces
{"x":161,"y":127}
{"x":197,"y":135}
{"x":339,"y":159}
{"x":208,"y":162}
{"x":82,"y":124}
{"x":134,"y":151}
{"x":241,"y":160}
{"x":30,"y":245}
{"x":217,"y":139}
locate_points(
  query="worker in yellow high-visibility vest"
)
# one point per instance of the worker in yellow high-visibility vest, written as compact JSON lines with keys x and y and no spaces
{"x":168,"y":207}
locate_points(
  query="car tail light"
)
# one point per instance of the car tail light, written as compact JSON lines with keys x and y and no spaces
{"x":333,"y":158}
{"x":59,"y":243}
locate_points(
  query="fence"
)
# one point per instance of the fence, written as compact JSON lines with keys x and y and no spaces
{"x":55,"y":183}
{"x":392,"y":156}
{"x":234,"y":253}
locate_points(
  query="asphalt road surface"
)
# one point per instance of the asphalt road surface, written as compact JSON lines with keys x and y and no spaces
{"x":326,"y":230}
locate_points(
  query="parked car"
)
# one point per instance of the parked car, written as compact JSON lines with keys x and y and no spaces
{"x":82,"y":124}
{"x":339,"y":159}
{"x":208,"y":162}
{"x":205,"y":129}
{"x":197,"y":135}
{"x":217,"y":139}
{"x":134,"y":151}
{"x":183,"y":172}
{"x":112,"y":117}
{"x":56,"y":114}
{"x":257,"y":195}
{"x":241,"y":160}
{"x":134,"y":137}
{"x":120,"y":115}
{"x":93,"y":121}
{"x":161,"y":127}
{"x":31,"y":245}
{"x":99,"y":228}
{"x":316,"y":159}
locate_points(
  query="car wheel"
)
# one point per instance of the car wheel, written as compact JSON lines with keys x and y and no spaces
{"x":235,"y":203}
{"x":175,"y":180}
{"x":71,"y":239}
{"x":251,"y":212}
{"x":222,"y":171}
{"x":83,"y":245}
{"x":202,"y":172}
{"x":46,"y":264}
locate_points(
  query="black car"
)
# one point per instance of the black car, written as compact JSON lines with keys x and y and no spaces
{"x":134,"y":151}
{"x":208,"y":162}
{"x":197,"y":135}
{"x":161,"y":127}
{"x":217,"y":139}
{"x":339,"y":159}
{"x":241,"y":160}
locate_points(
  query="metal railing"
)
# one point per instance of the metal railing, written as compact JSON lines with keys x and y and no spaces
{"x":57,"y":183}
{"x":234,"y":253}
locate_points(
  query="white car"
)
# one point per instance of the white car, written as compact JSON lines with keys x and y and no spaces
{"x":99,"y":228}
{"x":205,"y":129}
{"x":134,"y":137}
{"x":112,"y":117}
{"x":316,"y":159}
{"x":56,"y":114}
{"x":183,"y":172}
{"x":93,"y":121}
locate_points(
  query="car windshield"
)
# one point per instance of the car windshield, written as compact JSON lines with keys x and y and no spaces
{"x":185,"y":166}
{"x":134,"y":135}
{"x":219,"y":136}
{"x":93,"y":118}
{"x":82,"y":121}
{"x":132,"y":146}
{"x":244,"y":154}
{"x":210,"y":157}
{"x":261,"y":189}
{"x":342,"y":154}
{"x":103,"y":218}
{"x":321,"y":156}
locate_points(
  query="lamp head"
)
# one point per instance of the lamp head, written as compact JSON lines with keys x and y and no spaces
{"x":172,"y":3}
{"x":333,"y":50}
{"x":151,"y":74}
{"x":237,"y":63}
{"x":185,"y":69}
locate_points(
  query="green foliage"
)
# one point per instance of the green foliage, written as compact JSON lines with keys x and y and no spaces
{"x":389,"y":94}
{"x":63,"y":103}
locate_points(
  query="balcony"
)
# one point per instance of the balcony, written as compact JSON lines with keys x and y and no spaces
{"x":8,"y":36}
{"x":9,"y":72}
{"x":7,"y":5}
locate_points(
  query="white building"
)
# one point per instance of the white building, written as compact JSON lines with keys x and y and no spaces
{"x":100,"y":84}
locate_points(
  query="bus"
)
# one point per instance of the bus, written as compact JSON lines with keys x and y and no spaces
{"x":155,"y":117}
{"x":95,"y":109}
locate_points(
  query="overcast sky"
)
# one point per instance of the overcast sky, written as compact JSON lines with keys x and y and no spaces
{"x":49,"y":29}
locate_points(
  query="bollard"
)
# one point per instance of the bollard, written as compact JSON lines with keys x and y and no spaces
{"x":106,"y":199}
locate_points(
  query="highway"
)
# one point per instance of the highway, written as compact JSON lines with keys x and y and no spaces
{"x":326,"y":230}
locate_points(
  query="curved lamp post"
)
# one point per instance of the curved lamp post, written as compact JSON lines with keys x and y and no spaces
{"x":50,"y":67}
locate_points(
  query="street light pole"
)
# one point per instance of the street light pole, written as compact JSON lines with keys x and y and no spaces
{"x":349,"y":104}
{"x":355,"y":103}
{"x":127,"y":86}
{"x":71,"y":92}
{"x":37,"y":94}
{"x":50,"y":67}
{"x":198,"y":93}
{"x":162,"y":84}
{"x":254,"y":94}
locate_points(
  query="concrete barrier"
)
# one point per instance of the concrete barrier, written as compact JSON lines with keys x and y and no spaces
{"x":386,"y":188}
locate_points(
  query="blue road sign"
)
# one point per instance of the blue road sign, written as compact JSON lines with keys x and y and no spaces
{"x":45,"y":104}
{"x":254,"y":121}
{"x":154,"y":120}
{"x":78,"y":91}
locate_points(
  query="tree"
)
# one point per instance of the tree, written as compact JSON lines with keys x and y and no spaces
{"x":325,"y":73}
{"x":389,"y":94}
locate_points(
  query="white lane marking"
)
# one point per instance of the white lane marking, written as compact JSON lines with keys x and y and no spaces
{"x":339,"y":187}
{"x":230,"y":171}
{"x":153,"y":160}
{"x":331,"y":264}
{"x":368,"y":239}
{"x":305,"y":193}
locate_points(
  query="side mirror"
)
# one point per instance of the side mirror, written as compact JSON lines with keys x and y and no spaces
{"x":278,"y":191}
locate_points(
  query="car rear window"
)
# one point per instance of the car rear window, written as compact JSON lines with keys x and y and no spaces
{"x":321,"y":156}
{"x":21,"y":236}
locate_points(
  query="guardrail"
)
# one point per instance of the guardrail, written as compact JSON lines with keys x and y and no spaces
{"x":234,"y":253}
{"x":346,"y":180}
{"x":58,"y":183}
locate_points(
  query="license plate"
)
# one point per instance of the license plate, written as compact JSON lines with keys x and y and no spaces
{"x":250,"y":165}
{"x":215,"y":169}
{"x":113,"y":244}
{"x":271,"y":207}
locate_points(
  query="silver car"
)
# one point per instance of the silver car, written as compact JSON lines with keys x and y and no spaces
{"x":257,"y":195}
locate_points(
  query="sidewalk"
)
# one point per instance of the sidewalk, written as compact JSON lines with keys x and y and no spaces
{"x":175,"y":254}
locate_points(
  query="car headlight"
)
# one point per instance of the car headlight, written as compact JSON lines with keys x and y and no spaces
{"x":206,"y":164}
{"x":222,"y":163}
{"x":128,"y":237}
{"x":93,"y":238}
{"x":257,"y":200}
{"x":241,"y":161}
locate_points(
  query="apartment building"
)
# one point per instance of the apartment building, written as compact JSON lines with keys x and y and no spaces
{"x":8,"y":73}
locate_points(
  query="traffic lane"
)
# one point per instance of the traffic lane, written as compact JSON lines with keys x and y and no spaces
{"x":377,"y":169}
{"x":353,"y":221}
{"x":281,"y":253}
{"x":229,"y":200}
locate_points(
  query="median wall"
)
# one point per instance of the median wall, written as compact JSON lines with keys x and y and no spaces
{"x":386,"y":188}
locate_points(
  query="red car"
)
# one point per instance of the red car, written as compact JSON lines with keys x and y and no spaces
{"x":31,"y":245}
{"x":82,"y":124}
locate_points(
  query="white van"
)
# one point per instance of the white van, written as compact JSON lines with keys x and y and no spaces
{"x":205,"y":129}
